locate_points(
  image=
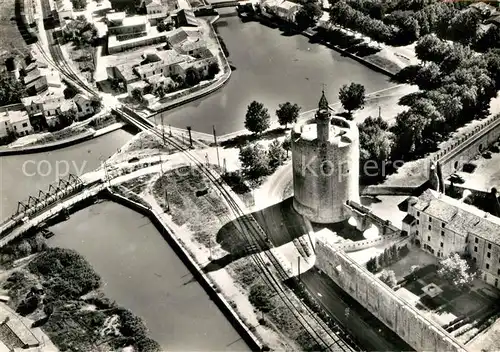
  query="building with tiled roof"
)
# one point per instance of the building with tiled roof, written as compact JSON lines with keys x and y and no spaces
{"x":443,"y":225}
{"x":185,"y":18}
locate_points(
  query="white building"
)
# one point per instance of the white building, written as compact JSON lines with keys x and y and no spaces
{"x":19,"y":122}
{"x":83,"y":105}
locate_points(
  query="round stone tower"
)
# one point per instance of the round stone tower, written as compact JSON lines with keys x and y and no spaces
{"x":325,"y":157}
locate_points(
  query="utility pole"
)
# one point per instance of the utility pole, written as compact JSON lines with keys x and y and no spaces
{"x":298,"y":266}
{"x":170,"y":128}
{"x":224,"y":167}
{"x":379,"y":111}
{"x":216,"y":146}
{"x":166,"y":199}
{"x":190,"y":138}
{"x":162,"y":130}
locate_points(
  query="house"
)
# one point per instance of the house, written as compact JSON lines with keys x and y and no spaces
{"x":39,"y":79}
{"x":84,"y":105}
{"x":161,"y":62}
{"x":483,"y":9}
{"x":123,"y":27}
{"x":5,"y":126}
{"x":443,"y":225}
{"x":19,"y":122}
{"x":64,"y":9}
{"x":44,"y":107}
{"x":179,"y":35}
{"x":156,"y":11}
{"x":193,"y":47}
{"x":287,"y":10}
{"x":185,"y":18}
{"x":495,"y":19}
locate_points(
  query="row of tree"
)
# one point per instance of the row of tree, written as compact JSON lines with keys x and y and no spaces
{"x":402,"y":22}
{"x":390,"y":256}
{"x":258,"y":119}
{"x":456,"y":87}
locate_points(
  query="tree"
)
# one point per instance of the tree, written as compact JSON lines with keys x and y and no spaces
{"x":79,"y":4}
{"x":431,"y":48}
{"x":352,"y":96}
{"x":371,"y":265}
{"x":489,"y":39}
{"x":260,"y":296}
{"x":456,"y":271}
{"x":213,"y":69}
{"x":193,"y":76}
{"x":11,"y":90}
{"x":137,"y":95}
{"x":375,"y":140}
{"x":287,"y":144}
{"x":276,"y":154}
{"x":24,"y":248}
{"x":66,"y":118}
{"x":463,"y":27}
{"x":254,"y":161}
{"x":160,"y":91}
{"x":287,"y":113}
{"x":388,"y":277}
{"x":428,"y":77}
{"x":308,"y":15}
{"x":257,"y":118}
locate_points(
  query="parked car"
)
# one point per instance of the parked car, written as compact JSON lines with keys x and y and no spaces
{"x":456,"y":178}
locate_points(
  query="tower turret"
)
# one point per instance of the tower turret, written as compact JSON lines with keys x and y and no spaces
{"x":323,"y":118}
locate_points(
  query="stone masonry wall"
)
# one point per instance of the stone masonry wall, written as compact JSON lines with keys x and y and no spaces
{"x":419,"y":332}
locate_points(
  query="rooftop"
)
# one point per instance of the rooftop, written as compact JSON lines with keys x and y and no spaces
{"x":14,"y":116}
{"x":179,"y":35}
{"x":288,"y":5}
{"x":115,"y":16}
{"x":45,"y":96}
{"x":459,"y":216}
{"x":192,"y":44}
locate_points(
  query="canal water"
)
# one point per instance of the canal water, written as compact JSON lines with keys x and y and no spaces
{"x":271,"y":68}
{"x":141,"y":272}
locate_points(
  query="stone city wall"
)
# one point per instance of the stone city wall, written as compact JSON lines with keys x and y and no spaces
{"x":419,"y":332}
{"x":453,"y":156}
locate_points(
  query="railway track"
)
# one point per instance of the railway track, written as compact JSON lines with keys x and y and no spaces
{"x":256,"y":237}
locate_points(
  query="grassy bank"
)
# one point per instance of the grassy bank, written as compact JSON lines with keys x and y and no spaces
{"x":186,"y":195}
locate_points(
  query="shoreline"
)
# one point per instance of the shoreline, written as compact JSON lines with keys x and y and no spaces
{"x":210,"y":288}
{"x":67,"y":142}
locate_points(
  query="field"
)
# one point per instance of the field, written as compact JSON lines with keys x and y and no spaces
{"x":11,"y":41}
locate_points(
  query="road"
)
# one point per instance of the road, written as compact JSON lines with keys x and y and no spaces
{"x":368,"y":331}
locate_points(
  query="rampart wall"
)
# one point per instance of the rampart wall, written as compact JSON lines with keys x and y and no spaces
{"x":419,"y":332}
{"x":460,"y":151}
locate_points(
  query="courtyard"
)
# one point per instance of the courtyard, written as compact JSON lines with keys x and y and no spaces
{"x":464,"y":314}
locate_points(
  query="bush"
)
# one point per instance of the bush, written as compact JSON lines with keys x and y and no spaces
{"x":67,"y":273}
{"x":260,"y":297}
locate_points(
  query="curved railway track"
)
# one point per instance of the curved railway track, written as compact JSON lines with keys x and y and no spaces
{"x":255,"y":237}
